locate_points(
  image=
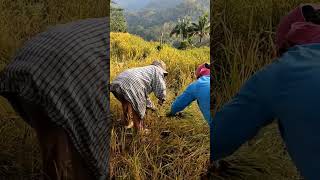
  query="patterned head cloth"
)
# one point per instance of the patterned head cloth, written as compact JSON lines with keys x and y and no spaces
{"x":300,"y":26}
{"x":160,"y":64}
{"x":202,"y":70}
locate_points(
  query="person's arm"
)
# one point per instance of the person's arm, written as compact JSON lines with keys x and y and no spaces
{"x":241,"y":118}
{"x":150,"y":105}
{"x":159,"y":87}
{"x":184,"y":100}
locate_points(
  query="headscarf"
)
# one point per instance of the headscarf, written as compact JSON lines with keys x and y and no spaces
{"x":300,"y":26}
{"x":203,"y":70}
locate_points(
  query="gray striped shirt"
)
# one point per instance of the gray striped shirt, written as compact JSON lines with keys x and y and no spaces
{"x":66,"y":70}
{"x":137,"y":83}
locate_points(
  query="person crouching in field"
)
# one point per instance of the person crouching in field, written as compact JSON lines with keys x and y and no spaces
{"x":199,"y":90}
{"x":58,"y":83}
{"x":287,"y":90}
{"x":132,"y":88}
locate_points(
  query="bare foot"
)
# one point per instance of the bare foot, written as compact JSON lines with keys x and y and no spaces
{"x":129,"y":126}
{"x":145,"y":131}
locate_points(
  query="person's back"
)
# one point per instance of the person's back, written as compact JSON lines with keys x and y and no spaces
{"x":287,"y":90}
{"x":65,"y":71}
{"x":295,"y":98}
{"x":203,"y":97}
{"x":132,"y":87}
{"x":140,"y":77}
{"x":199,"y":91}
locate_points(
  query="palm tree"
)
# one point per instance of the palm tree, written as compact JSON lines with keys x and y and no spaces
{"x":183,"y":29}
{"x":201,"y":28}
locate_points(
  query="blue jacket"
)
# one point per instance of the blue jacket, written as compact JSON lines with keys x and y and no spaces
{"x":198,"y":90}
{"x":287,"y":90}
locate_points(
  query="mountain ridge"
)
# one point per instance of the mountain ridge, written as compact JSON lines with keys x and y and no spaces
{"x":150,"y":20}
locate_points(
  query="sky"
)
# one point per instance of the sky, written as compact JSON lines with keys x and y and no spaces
{"x":132,"y":4}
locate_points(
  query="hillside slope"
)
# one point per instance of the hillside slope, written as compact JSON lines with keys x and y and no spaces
{"x":149,"y":21}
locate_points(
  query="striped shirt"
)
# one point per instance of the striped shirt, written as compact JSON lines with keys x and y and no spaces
{"x":137,"y":83}
{"x":66,"y":70}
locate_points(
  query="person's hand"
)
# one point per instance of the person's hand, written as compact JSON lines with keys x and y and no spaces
{"x":161,"y":101}
{"x":177,"y":115}
{"x":213,"y":167}
{"x":216,"y":168}
{"x":150,"y":105}
{"x":211,"y":171}
{"x":152,"y":108}
{"x":169,"y":114}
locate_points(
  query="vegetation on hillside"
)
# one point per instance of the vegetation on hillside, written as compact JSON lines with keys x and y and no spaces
{"x":177,"y":147}
{"x":118,"y":21}
{"x":153,"y":20}
{"x":187,"y":30}
{"x":242,"y":42}
{"x":132,"y":5}
{"x":19,"y":21}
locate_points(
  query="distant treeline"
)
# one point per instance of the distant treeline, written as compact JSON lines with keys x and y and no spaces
{"x":155,"y":23}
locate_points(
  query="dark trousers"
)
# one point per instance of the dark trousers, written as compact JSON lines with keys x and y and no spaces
{"x":61,"y":161}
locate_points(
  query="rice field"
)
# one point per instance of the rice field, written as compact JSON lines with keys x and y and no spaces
{"x":183,"y":152}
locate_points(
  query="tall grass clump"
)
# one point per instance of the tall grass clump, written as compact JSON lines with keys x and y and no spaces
{"x":181,"y":154}
{"x":19,"y":21}
{"x":242,"y":42}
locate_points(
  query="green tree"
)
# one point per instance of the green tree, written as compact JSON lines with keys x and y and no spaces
{"x":202,"y":27}
{"x":182,"y":29}
{"x":118,"y":21}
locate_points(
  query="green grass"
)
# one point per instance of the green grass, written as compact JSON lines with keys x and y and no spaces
{"x":19,"y":21}
{"x":242,"y":41}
